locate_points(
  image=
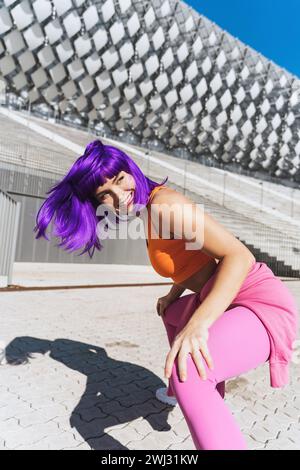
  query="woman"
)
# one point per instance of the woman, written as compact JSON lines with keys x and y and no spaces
{"x":239,"y":316}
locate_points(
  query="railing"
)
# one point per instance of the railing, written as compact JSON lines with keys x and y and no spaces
{"x":9,"y":222}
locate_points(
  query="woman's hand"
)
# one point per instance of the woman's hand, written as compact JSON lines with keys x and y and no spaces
{"x":191,"y":339}
{"x":163,"y":303}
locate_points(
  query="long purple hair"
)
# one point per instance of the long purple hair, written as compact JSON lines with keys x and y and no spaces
{"x":71,"y":202}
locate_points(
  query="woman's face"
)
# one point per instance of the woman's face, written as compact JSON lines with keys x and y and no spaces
{"x":117,"y":193}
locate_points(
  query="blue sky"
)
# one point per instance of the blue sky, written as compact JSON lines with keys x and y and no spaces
{"x":271,"y":27}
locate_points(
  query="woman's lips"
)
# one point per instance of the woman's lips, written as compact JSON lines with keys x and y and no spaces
{"x":130,"y":199}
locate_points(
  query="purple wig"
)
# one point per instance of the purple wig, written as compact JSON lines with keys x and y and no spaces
{"x":72,"y":204}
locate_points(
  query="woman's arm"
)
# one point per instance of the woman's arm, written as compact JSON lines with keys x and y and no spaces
{"x":229,"y":278}
{"x":188,"y":220}
{"x":175,"y":292}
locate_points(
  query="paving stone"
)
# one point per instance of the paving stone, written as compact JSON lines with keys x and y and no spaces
{"x":78,"y":433}
{"x":143,"y":427}
{"x":10,"y":424}
{"x":52,"y":410}
{"x":252,"y":443}
{"x":165,"y":438}
{"x":273,"y":423}
{"x":294,"y":435}
{"x":296,"y":402}
{"x":82,"y":446}
{"x":20,"y":437}
{"x":294,"y":427}
{"x":174,"y":416}
{"x":146,"y":408}
{"x":57,"y":442}
{"x":181,"y":429}
{"x":95,"y":428}
{"x":63,"y":422}
{"x":246,"y":418}
{"x":116,"y":425}
{"x":40,"y":402}
{"x":89,"y":414}
{"x":284,"y":418}
{"x":261,"y":410}
{"x":158,"y":421}
{"x":125,"y":435}
{"x":261,"y":434}
{"x":150,"y":442}
{"x":188,"y":444}
{"x":260,"y":389}
{"x":105,"y":442}
{"x":111,"y":407}
{"x":235,"y":403}
{"x":135,"y":398}
{"x":281,"y":444}
{"x":69,"y":404}
{"x":12,"y":411}
{"x":291,"y":411}
{"x":35,"y":417}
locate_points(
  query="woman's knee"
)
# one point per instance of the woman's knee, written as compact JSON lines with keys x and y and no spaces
{"x":193,"y":374}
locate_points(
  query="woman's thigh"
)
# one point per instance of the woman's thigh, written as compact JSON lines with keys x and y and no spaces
{"x":238,"y":341}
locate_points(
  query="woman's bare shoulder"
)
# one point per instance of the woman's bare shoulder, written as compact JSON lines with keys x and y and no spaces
{"x":169,"y":195}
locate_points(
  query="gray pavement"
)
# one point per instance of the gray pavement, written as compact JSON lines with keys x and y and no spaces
{"x":81,"y":367}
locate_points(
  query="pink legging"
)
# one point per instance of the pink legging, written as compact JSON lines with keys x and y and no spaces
{"x":238,"y":342}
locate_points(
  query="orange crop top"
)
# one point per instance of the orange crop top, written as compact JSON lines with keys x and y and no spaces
{"x":169,"y":258}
